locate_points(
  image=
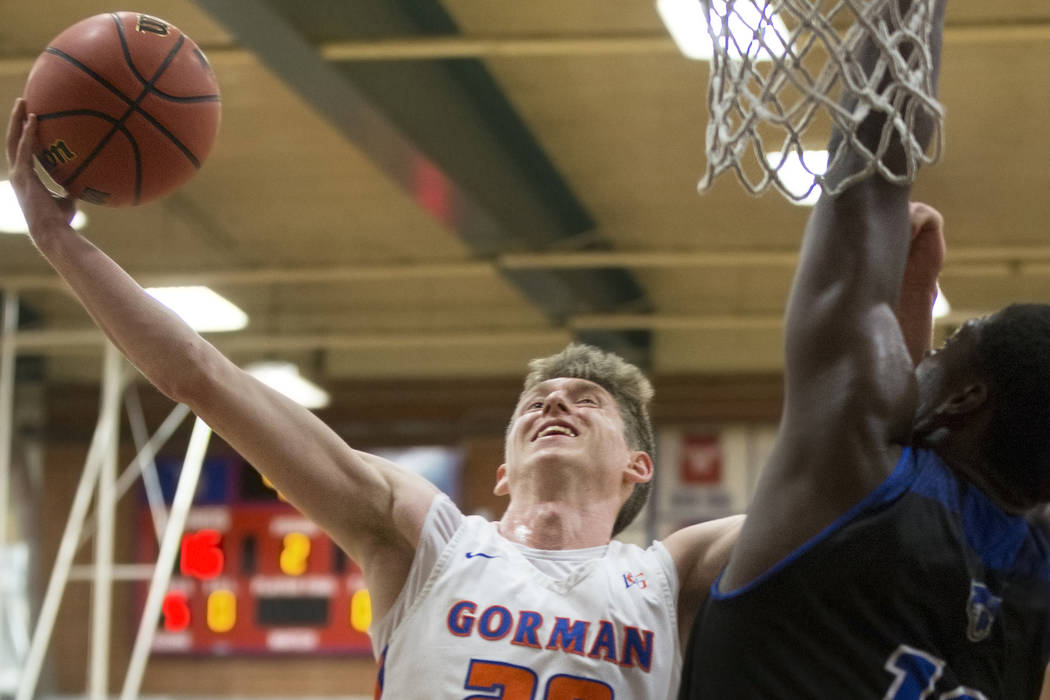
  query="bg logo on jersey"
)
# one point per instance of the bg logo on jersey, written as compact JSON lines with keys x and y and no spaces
{"x":981,"y":610}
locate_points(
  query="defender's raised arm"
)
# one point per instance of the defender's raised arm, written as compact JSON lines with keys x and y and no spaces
{"x":848,"y":369}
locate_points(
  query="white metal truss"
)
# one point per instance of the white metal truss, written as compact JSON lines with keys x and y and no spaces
{"x":8,"y":328}
{"x":99,"y":481}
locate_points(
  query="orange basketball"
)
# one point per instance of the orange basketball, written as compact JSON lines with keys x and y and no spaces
{"x":127,"y":106}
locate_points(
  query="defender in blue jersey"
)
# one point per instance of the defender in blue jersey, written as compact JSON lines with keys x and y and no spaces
{"x":888,"y":550}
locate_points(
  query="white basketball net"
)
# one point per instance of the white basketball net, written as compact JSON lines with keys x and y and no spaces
{"x":781,"y":67}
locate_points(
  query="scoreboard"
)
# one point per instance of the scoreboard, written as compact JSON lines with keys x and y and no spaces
{"x":253,"y":575}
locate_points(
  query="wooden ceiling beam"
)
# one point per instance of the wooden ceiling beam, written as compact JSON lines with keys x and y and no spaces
{"x":81,"y":340}
{"x":507,"y":46}
{"x":964,"y":262}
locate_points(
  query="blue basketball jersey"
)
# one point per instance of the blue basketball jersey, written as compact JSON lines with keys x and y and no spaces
{"x":926,"y":589}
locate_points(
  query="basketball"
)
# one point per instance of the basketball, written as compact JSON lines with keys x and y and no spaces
{"x":127,"y":107}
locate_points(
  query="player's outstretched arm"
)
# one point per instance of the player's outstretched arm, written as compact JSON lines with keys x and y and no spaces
{"x":371,"y":508}
{"x":849,"y":386}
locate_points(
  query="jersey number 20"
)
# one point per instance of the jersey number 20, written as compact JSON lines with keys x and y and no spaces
{"x":504,"y":681}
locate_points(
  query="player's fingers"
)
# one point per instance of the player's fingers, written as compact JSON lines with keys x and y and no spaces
{"x":24,"y":152}
{"x":924,"y":217}
{"x":919,"y":211}
{"x":14,"y":129}
{"x":933,"y":223}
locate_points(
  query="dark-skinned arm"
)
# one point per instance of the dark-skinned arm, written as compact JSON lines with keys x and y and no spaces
{"x":849,"y":387}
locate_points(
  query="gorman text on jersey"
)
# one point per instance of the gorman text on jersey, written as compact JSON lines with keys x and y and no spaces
{"x":632,"y":648}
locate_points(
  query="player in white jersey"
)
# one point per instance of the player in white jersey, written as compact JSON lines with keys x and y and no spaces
{"x":582,"y":623}
{"x":541,"y":601}
{"x":575,"y":455}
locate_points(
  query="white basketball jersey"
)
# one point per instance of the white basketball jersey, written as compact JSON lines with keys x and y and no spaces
{"x":487,"y":621}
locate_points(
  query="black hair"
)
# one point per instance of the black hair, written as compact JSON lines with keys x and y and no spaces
{"x":1013,"y":350}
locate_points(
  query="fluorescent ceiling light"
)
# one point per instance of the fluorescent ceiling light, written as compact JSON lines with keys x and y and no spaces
{"x":11,"y":219}
{"x":202,"y":308}
{"x":285,"y":378}
{"x":798,"y":174}
{"x":754,"y":32}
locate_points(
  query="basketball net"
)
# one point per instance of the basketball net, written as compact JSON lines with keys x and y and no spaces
{"x":782,"y":68}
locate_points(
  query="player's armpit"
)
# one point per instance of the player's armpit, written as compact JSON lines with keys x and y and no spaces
{"x":700,"y":552}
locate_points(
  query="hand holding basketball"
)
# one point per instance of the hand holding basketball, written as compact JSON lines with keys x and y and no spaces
{"x":40,"y":208}
{"x":127,"y":108}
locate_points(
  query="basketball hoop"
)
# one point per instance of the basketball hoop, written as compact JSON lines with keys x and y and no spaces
{"x":778,"y":87}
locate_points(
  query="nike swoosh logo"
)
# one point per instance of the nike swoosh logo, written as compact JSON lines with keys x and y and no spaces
{"x":471,"y":555}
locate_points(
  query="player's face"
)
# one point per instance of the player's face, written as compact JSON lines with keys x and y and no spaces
{"x":942,"y":373}
{"x":568,"y":421}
